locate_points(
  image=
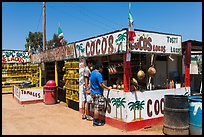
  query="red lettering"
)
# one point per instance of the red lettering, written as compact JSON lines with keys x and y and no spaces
{"x":110,"y":43}
{"x":149,"y":44}
{"x":104,"y":46}
{"x":92,"y":47}
{"x":87,"y":52}
{"x":4,"y":60}
{"x":98,"y":42}
{"x":145,"y":41}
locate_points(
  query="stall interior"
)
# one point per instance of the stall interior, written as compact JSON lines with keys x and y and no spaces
{"x":112,"y":69}
{"x":146,"y":71}
{"x":21,"y":74}
{"x":49,"y":71}
{"x":139,"y":72}
{"x":61,"y":82}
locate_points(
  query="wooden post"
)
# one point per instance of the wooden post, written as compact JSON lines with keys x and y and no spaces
{"x":44,"y":40}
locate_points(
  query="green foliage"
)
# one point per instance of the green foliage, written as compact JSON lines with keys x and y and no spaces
{"x":133,"y":105}
{"x":34,"y":41}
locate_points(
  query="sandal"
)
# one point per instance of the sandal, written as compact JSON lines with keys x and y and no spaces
{"x":84,"y":117}
{"x":89,"y":118}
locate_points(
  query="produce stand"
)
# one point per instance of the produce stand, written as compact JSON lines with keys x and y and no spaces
{"x":56,"y":69}
{"x":129,"y":109}
{"x":71,"y":79}
{"x":125,"y":66}
{"x":19,"y":72}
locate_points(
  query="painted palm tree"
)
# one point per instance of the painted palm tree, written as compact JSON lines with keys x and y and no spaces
{"x":121,"y":104}
{"x":8,"y":54}
{"x":78,"y":48}
{"x":81,"y":49}
{"x":120,"y":39}
{"x":116,"y":102}
{"x":140,"y":107}
{"x":133,"y":106}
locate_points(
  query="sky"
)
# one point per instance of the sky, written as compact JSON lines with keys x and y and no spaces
{"x":82,"y":20}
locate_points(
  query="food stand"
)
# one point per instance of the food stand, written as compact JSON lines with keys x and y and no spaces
{"x":21,"y":76}
{"x":134,"y":109}
{"x":125,"y":66}
{"x":60,"y":64}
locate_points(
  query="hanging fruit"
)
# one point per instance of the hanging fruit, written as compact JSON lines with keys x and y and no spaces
{"x":152,"y":71}
{"x":140,"y":74}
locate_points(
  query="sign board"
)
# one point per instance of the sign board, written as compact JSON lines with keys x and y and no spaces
{"x":55,"y":54}
{"x":28,"y":94}
{"x":137,"y":106}
{"x":15,"y":56}
{"x":157,"y":43}
{"x":102,"y":45}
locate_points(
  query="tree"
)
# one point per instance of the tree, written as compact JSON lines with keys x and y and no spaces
{"x":55,"y":42}
{"x":34,"y":41}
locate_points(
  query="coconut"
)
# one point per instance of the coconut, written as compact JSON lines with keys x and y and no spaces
{"x":122,"y":86}
{"x":151,"y":71}
{"x":114,"y":86}
{"x":140,"y":74}
{"x":134,"y":82}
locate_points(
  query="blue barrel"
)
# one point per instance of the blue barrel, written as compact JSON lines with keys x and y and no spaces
{"x":195,"y":115}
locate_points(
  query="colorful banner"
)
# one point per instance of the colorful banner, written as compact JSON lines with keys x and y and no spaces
{"x":15,"y":56}
{"x":55,"y":54}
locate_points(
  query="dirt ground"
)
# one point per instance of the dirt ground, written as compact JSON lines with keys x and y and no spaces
{"x":57,"y":119}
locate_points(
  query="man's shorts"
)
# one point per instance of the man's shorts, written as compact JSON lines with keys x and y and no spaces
{"x":99,"y":101}
{"x":86,"y":97}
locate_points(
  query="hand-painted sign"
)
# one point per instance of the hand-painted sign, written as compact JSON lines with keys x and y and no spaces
{"x":15,"y":56}
{"x":55,"y":54}
{"x":28,"y":94}
{"x":156,"y":43}
{"x":137,"y":106}
{"x":102,"y":45}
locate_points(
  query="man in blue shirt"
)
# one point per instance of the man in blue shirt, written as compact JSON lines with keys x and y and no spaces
{"x":97,"y":87}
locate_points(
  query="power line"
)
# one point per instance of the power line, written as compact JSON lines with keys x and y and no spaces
{"x":89,"y":15}
{"x":102,"y":24}
{"x":101,"y":16}
{"x":74,"y":17}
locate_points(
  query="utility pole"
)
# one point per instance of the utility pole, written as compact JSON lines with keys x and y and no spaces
{"x":44,"y":26}
{"x":44,"y":41}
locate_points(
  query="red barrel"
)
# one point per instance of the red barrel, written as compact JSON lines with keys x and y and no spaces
{"x":50,"y":92}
